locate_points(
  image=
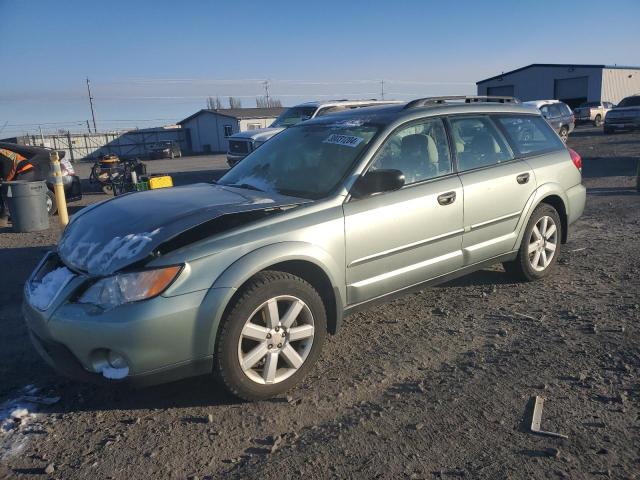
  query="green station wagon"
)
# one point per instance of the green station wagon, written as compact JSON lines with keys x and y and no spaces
{"x":242,"y":279}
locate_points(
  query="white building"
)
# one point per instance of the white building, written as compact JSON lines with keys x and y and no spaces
{"x":573,"y":84}
{"x":209,"y":129}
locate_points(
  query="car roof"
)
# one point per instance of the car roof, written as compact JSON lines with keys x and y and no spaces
{"x":345,"y":102}
{"x":388,"y":114}
{"x":539,"y":103}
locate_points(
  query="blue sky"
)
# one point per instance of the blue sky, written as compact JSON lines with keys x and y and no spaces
{"x":155,"y":62}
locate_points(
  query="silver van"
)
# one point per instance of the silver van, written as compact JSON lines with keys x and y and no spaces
{"x":558,"y":115}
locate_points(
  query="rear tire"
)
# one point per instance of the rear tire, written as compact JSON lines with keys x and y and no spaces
{"x":541,"y":240}
{"x":52,"y":206}
{"x":271,"y":336}
{"x":598,"y":121}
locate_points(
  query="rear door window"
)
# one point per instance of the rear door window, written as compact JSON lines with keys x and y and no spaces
{"x":565,"y":109}
{"x":478,"y":142}
{"x":546,"y":111}
{"x":329,"y":110}
{"x":529,"y":134}
{"x":555,"y":110}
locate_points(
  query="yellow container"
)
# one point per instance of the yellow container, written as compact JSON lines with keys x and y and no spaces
{"x":160,"y":182}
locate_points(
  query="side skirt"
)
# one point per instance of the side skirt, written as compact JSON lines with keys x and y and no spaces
{"x":387,"y":297}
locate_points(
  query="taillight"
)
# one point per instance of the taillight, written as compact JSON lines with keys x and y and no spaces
{"x":576,"y":159}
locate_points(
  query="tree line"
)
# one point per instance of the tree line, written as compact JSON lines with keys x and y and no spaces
{"x":216,"y":103}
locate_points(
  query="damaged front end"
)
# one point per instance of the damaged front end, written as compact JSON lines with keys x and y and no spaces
{"x":130,"y":230}
{"x":122,"y":298}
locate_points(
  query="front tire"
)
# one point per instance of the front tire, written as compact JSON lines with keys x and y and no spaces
{"x":271,"y":336}
{"x":540,"y":246}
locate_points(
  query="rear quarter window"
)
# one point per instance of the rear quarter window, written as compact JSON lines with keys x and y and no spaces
{"x":530,"y":134}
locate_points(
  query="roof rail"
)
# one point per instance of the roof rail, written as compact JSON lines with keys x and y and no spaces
{"x":423,"y":102}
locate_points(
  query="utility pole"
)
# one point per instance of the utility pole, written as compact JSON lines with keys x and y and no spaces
{"x":93,"y":115}
{"x":41,"y":135}
{"x":88,"y":127}
{"x":266,"y":91}
{"x":381,"y":89}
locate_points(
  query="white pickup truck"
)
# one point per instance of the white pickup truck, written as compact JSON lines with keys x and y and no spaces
{"x":592,"y":112}
{"x":243,"y":143}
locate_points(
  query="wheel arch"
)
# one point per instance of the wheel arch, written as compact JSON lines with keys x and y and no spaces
{"x":304,"y":260}
{"x":551,"y":194}
{"x":558,"y":203}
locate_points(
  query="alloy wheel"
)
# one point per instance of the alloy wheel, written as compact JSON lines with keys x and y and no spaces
{"x":276,"y":339}
{"x":564,"y":134}
{"x":543,"y":243}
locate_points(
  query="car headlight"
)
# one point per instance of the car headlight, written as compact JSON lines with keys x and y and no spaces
{"x":257,"y":143}
{"x":130,"y":287}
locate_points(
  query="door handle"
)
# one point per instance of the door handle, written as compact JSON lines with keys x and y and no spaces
{"x":522,"y":178}
{"x":447,"y":198}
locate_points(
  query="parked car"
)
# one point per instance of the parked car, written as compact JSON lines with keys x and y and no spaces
{"x":558,"y":115}
{"x":592,"y":112}
{"x":168,"y":149}
{"x":244,"y":278}
{"x":40,"y":157}
{"x":626,"y":116}
{"x":243,"y":143}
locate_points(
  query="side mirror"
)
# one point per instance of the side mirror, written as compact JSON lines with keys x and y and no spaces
{"x":377,"y":181}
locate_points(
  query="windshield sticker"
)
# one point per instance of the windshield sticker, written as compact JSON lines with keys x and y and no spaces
{"x":345,"y":140}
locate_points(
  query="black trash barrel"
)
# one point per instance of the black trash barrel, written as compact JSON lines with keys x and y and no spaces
{"x":27,"y":202}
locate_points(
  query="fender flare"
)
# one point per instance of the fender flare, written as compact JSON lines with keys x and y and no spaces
{"x":228,"y":283}
{"x":543,"y":191}
{"x":257,"y":260}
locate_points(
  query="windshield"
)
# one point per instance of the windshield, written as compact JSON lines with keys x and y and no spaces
{"x":589,"y":104}
{"x":293,"y":116}
{"x":306,"y":161}
{"x":630,"y":102}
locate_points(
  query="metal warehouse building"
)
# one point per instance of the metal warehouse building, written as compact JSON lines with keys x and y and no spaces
{"x":573,"y":84}
{"x":209,"y":129}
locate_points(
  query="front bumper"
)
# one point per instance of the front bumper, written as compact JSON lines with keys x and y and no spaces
{"x":161,"y":339}
{"x":622,"y":124}
{"x":233,"y":160}
{"x":61,"y":359}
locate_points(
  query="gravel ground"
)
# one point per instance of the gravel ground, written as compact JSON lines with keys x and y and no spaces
{"x":436,"y":384}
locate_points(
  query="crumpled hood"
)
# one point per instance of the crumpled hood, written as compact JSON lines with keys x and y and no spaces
{"x":259,"y":135}
{"x":107,"y":237}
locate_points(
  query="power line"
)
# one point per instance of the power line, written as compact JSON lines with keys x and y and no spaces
{"x":93,"y":115}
